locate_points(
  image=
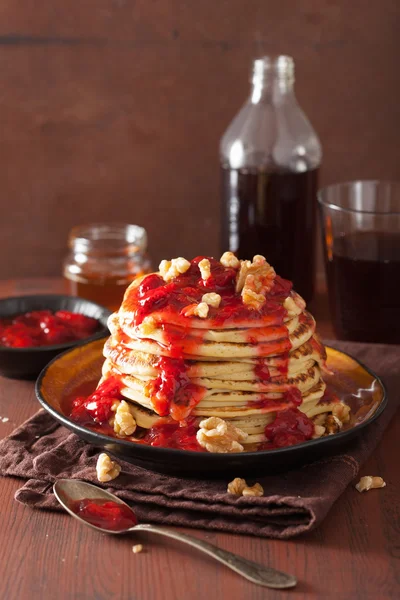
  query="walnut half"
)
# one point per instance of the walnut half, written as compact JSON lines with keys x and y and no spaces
{"x":254,"y":280}
{"x":369,"y":482}
{"x":107,"y":469}
{"x":217,"y":435}
{"x":124,"y":422}
{"x":239,"y":487}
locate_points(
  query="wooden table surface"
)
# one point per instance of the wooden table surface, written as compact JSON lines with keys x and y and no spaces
{"x":354,"y":554}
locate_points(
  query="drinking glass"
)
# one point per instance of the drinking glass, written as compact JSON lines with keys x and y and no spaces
{"x":361,"y":237}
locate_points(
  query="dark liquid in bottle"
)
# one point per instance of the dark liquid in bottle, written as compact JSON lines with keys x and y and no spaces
{"x":273,"y":214}
{"x":363,"y":278}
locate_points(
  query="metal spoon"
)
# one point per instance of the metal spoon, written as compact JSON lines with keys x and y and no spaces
{"x":68,"y":491}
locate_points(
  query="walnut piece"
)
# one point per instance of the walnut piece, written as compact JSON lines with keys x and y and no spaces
{"x":137,"y":548}
{"x":216,"y":435}
{"x":369,"y":482}
{"x":237,"y":486}
{"x":107,"y":469}
{"x":342,"y":412}
{"x":255,"y":490}
{"x":228,"y":259}
{"x":196,"y":310}
{"x":333,"y":424}
{"x":205,"y":269}
{"x":212,"y":299}
{"x":124,"y":423}
{"x":169,"y":269}
{"x":251,"y":298}
{"x":254,"y":280}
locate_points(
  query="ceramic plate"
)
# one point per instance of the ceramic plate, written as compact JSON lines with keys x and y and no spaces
{"x":77,"y":372}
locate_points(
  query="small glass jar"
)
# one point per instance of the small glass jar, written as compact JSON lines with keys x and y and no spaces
{"x":103,"y":260}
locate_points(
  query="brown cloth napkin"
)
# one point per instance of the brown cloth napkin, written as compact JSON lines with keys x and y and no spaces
{"x":42,"y":451}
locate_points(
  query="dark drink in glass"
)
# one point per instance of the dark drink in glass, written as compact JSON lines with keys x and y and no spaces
{"x":361,"y":227}
{"x":364,"y":276}
{"x":273,"y":214}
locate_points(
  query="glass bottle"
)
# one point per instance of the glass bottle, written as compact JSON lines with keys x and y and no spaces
{"x":103,"y":260}
{"x":270,"y":156}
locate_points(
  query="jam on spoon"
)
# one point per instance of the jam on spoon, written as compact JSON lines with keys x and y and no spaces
{"x":104,"y":513}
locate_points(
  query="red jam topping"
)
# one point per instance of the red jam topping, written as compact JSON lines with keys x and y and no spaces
{"x":291,"y":399}
{"x":104,"y":513}
{"x":43,"y":328}
{"x":154,"y":295}
{"x":173,"y":435}
{"x":97,"y":407}
{"x":172,"y":392}
{"x":261,"y":371}
{"x":290,"y":427}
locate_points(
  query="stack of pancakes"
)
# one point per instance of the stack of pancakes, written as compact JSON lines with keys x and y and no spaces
{"x":223,"y":362}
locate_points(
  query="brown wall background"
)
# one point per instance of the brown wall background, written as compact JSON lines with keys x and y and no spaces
{"x":113,"y":109}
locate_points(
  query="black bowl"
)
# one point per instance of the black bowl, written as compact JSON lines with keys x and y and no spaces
{"x":26,"y":363}
{"x":353,"y":382}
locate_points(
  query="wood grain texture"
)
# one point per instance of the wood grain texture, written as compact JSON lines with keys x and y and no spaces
{"x":353,"y":555}
{"x":113,"y":110}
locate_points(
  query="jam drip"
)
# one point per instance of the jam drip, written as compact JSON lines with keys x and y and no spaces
{"x":172,"y":392}
{"x":97,"y":407}
{"x":261,"y":371}
{"x":104,"y":513}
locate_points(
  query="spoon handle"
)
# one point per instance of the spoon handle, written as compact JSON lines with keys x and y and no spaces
{"x":250,"y":570}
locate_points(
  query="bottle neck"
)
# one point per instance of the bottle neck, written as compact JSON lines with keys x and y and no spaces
{"x":275,"y":91}
{"x":272,"y":80}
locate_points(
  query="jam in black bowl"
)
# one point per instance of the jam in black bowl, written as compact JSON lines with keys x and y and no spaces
{"x":19,"y":359}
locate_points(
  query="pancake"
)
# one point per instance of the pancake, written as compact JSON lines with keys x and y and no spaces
{"x":227,"y":340}
{"x":156,"y":343}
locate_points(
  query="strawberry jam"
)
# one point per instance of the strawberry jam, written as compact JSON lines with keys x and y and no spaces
{"x":104,"y":513}
{"x":290,"y":427}
{"x":261,"y":371}
{"x":97,"y":407}
{"x":43,"y":328}
{"x":172,"y":392}
{"x":174,"y":435}
{"x":153,"y":295}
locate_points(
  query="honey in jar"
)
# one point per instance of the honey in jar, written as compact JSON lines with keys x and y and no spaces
{"x":103,"y":260}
